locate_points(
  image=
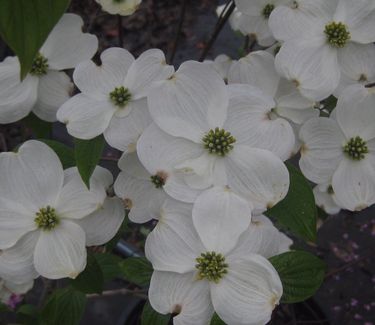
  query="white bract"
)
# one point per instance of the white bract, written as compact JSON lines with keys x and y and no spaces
{"x":253,"y":20}
{"x":48,"y":217}
{"x":9,"y":289}
{"x":209,"y":141}
{"x":341,"y":151}
{"x":120,"y":7}
{"x":46,"y":87}
{"x":113,"y":97}
{"x":221,"y":65}
{"x":320,"y":39}
{"x":272,"y":125}
{"x":140,"y":191}
{"x":195,"y":276}
{"x":325,"y":198}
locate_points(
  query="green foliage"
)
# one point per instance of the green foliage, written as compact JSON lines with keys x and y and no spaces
{"x":216,"y":320}
{"x":91,"y":280}
{"x":3,"y":308}
{"x":297,"y":212}
{"x":40,"y":128}
{"x":87,"y":154}
{"x":137,"y":270}
{"x":65,"y":153}
{"x":301,"y":274}
{"x":64,"y":306}
{"x":28,"y":314}
{"x":330,"y":103}
{"x":25,"y":25}
{"x":109,"y":265}
{"x":151,"y":317}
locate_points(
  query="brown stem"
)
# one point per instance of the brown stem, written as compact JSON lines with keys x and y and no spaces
{"x":219,"y":26}
{"x":178,"y":32}
{"x":370,"y":85}
{"x":120,"y":31}
{"x":123,"y":291}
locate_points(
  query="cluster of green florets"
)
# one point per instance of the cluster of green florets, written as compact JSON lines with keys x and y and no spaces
{"x":211,"y":266}
{"x":158,"y":181}
{"x":356,"y":148}
{"x":266,"y":12}
{"x":40,"y":65}
{"x":120,"y":96}
{"x":46,"y":218}
{"x":337,"y":34}
{"x":218,"y":141}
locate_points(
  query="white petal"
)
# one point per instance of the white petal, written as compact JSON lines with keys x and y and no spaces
{"x":76,"y":201}
{"x":172,"y":292}
{"x":99,"y":81}
{"x":121,"y":8}
{"x":354,"y":183}
{"x":258,"y":175}
{"x":66,"y":45}
{"x":174,"y":244}
{"x":325,"y":201}
{"x":358,"y":121}
{"x":148,"y":68}
{"x":17,"y":262}
{"x":321,"y":149}
{"x":359,"y":16}
{"x":311,"y":64}
{"x":256,"y":69}
{"x":134,"y":123}
{"x":250,"y":122}
{"x":248,"y":293}
{"x":100,"y":176}
{"x":33,"y":176}
{"x":220,"y":217}
{"x":86,"y":118}
{"x":61,"y":252}
{"x":53,"y":91}
{"x":16,"y":98}
{"x":102,"y":225}
{"x":189,"y":103}
{"x":19,"y":288}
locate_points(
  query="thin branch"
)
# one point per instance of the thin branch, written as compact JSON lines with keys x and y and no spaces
{"x":123,"y":291}
{"x":120,"y":31}
{"x":178,"y":32}
{"x":370,"y":85}
{"x":114,"y":159}
{"x":219,"y":26}
{"x":47,"y":288}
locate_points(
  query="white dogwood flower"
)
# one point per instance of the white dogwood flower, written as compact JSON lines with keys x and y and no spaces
{"x":140,"y":191}
{"x":210,"y":142}
{"x":46,"y":87}
{"x":120,"y":7}
{"x":8,"y":289}
{"x":341,"y":151}
{"x":113,"y":96}
{"x":221,"y":65}
{"x":196,"y":275}
{"x":325,"y":198}
{"x":320,"y":39}
{"x":47,"y":218}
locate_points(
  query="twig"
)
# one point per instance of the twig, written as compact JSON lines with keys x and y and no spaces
{"x":123,"y":291}
{"x":3,"y":143}
{"x":348,"y":265}
{"x":120,"y":31}
{"x":219,"y":26}
{"x":370,"y":85}
{"x":179,"y":30}
{"x":47,"y":288}
{"x":109,"y":159}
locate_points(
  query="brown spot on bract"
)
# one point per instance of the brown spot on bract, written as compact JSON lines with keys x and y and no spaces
{"x":128,"y":204}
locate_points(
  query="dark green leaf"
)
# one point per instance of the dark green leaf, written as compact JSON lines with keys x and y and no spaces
{"x":65,"y":153}
{"x":25,"y":25}
{"x":330,"y":103}
{"x":87,"y":154}
{"x":4,"y":308}
{"x":40,"y":128}
{"x":297,"y":212}
{"x":215,"y":320}
{"x":151,"y":317}
{"x":64,"y":306}
{"x":109,"y":264}
{"x":137,"y":270}
{"x":91,"y":280}
{"x":28,"y":314}
{"x":301,"y":274}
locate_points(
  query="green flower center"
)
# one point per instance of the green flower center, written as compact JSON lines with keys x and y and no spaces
{"x":330,"y":190}
{"x":337,"y":34}
{"x":356,"y":148}
{"x":40,"y":66}
{"x":218,"y":142}
{"x":211,"y":266}
{"x":118,"y":1}
{"x":120,"y":96}
{"x":266,"y":12}
{"x":46,"y":218}
{"x":158,"y":180}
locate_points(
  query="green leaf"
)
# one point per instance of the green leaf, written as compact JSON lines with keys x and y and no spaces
{"x":4,"y":308}
{"x":87,"y":154}
{"x":65,"y":153}
{"x":91,"y":280}
{"x":28,"y":314}
{"x":151,"y":317}
{"x":25,"y":25}
{"x":330,"y":103}
{"x":301,"y":274}
{"x":109,"y":264}
{"x":216,"y":320}
{"x":297,"y":212}
{"x":40,"y":128}
{"x":64,"y":306}
{"x":137,"y":270}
